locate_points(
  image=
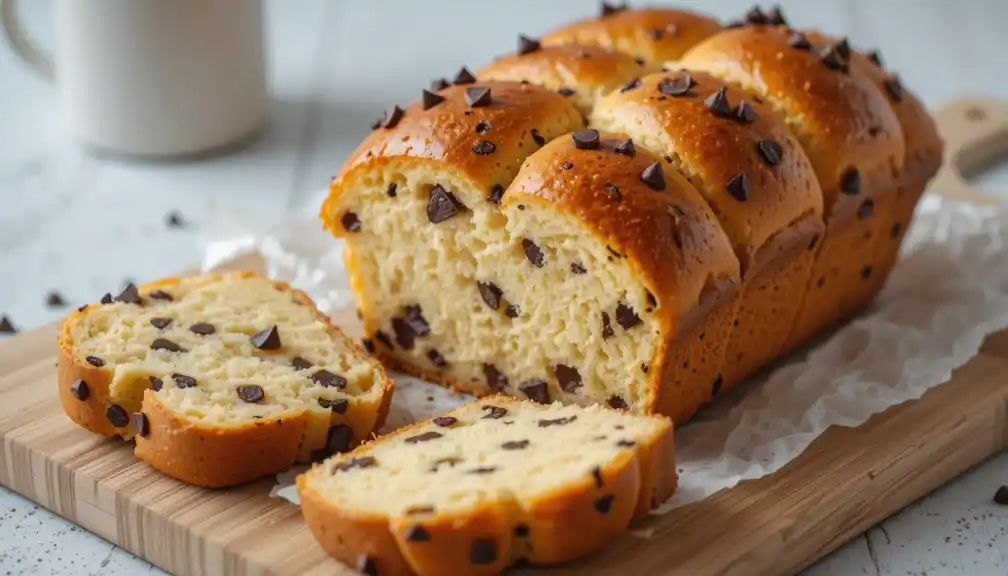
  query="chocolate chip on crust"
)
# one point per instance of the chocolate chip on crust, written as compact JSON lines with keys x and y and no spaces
{"x":483,"y":552}
{"x":464,"y":76}
{"x":565,"y":91}
{"x":430,"y":99}
{"x":478,"y":96}
{"x":799,"y":41}
{"x":745,"y":113}
{"x":716,"y":387}
{"x":894,"y":88}
{"x":392,"y":117}
{"x":866,"y":209}
{"x":866,"y":271}
{"x":718,"y":103}
{"x":631,"y":85}
{"x":80,"y":390}
{"x":739,"y":187}
{"x":107,"y":298}
{"x":850,"y":182}
{"x":536,"y":390}
{"x":141,"y":424}
{"x":568,"y":377}
{"x":484,"y":148}
{"x":116,"y":415}
{"x":537,"y":137}
{"x":267,"y":339}
{"x":677,"y":86}
{"x":527,"y":45}
{"x":626,"y":147}
{"x":604,"y":504}
{"x":654,"y":177}
{"x":587,"y":139}
{"x":365,"y":565}
{"x":417,"y":533}
{"x":770,"y":151}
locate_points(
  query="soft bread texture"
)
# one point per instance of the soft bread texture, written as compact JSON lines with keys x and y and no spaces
{"x":488,"y":484}
{"x":175,"y":365}
{"x":505,"y":295}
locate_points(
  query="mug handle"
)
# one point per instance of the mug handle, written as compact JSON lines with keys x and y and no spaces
{"x":20,"y":43}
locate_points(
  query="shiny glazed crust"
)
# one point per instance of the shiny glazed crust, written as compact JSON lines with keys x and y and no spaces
{"x":566,"y":526}
{"x":192,"y":451}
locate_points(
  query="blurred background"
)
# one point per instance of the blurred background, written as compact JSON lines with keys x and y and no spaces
{"x":79,"y":222}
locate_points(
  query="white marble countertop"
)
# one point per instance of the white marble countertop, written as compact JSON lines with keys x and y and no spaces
{"x":82,"y":225}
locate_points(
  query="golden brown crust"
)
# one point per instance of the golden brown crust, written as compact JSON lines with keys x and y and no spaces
{"x":590,"y":71}
{"x":555,"y":527}
{"x":483,"y":144}
{"x":712,"y":150}
{"x":841,"y":117}
{"x":670,"y":235}
{"x":215,"y":455}
{"x":656,"y":35}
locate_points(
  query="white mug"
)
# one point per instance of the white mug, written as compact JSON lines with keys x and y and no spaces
{"x":154,"y":78}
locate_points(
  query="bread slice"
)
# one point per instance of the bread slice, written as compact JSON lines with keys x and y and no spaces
{"x":221,"y":379}
{"x":487,"y":484}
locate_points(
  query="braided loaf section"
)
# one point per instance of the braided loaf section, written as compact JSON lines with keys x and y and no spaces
{"x":640,"y":210}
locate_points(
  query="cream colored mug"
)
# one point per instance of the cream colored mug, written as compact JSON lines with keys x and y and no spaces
{"x":153,"y":78}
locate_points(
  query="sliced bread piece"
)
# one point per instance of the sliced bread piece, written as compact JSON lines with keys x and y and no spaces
{"x":221,"y":379}
{"x":487,"y":484}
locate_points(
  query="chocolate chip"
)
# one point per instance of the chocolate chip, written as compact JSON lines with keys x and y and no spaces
{"x":494,"y":412}
{"x":631,"y":85}
{"x":351,"y":222}
{"x":577,"y":269}
{"x":442,"y":205}
{"x":392,"y":117}
{"x":677,"y":86}
{"x":866,"y":209}
{"x":567,"y":165}
{"x":565,"y":92}
{"x":478,"y":96}
{"x":327,"y":379}
{"x":450,"y":461}
{"x":894,"y":88}
{"x":799,"y":41}
{"x":141,"y":425}
{"x":610,"y":9}
{"x":266,"y":339}
{"x":362,"y":462}
{"x":436,"y":358}
{"x":415,"y":320}
{"x":626,"y":317}
{"x":413,"y":510}
{"x":160,"y":323}
{"x":431,"y":99}
{"x":738,"y":187}
{"x":776,"y":16}
{"x":536,"y":390}
{"x":1001,"y":496}
{"x":439,"y":84}
{"x":843,"y":48}
{"x":6,"y":326}
{"x":527,"y":45}
{"x":339,"y":405}
{"x":156,"y":383}
{"x":625,"y":443}
{"x":464,"y":76}
{"x":495,"y":379}
{"x":718,"y":103}
{"x":533,"y":253}
{"x":338,"y":439}
{"x":300,"y":363}
{"x":894,"y":232}
{"x":557,"y":421}
{"x":756,"y":16}
{"x":604,"y":504}
{"x":444,"y":421}
{"x":496,"y":194}
{"x":512,"y":311}
{"x":644,"y":367}
{"x":866,"y":272}
{"x":482,"y":127}
{"x":617,"y":402}
{"x":366,"y":566}
{"x":614,"y":192}
{"x":79,"y":389}
{"x":656,"y":34}
{"x":482,"y":552}
{"x":515,"y":445}
{"x":876,"y":57}
{"x":568,"y":377}
{"x":251,"y":393}
{"x":586,"y":139}
{"x":417,"y":533}
{"x":183,"y":381}
{"x":521,"y":531}
{"x":716,"y":387}
{"x":368,"y":345}
{"x":607,"y":329}
{"x":95,"y":361}
{"x":116,"y":415}
{"x":654,"y":177}
{"x":626,"y":148}
{"x":54,"y":300}
{"x":490,"y":293}
{"x":166,"y":344}
{"x":832,"y":58}
{"x":404,"y":334}
{"x":202,"y":328}
{"x":482,"y":470}
{"x":107,"y":298}
{"x":537,"y":137}
{"x":129,"y":295}
{"x":384,"y":339}
{"x":484,"y":148}
{"x":850,"y":182}
{"x":425,"y":437}
{"x":745,"y":113}
{"x":770,"y":151}
{"x":157,"y":295}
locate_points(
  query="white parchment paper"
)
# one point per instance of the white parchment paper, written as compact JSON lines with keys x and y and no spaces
{"x":945,"y":296}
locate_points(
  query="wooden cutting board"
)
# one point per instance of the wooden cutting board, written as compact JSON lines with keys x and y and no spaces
{"x":847,"y":480}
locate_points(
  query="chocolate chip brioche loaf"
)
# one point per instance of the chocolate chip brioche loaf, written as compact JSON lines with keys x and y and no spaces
{"x":488,"y":484}
{"x":714,"y":216}
{"x":220,"y":379}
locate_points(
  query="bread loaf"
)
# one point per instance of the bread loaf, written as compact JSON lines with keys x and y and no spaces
{"x":221,"y":379}
{"x":717,"y":215}
{"x":488,"y":484}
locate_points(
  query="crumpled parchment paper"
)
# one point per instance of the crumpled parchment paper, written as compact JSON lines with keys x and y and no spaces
{"x":947,"y":294}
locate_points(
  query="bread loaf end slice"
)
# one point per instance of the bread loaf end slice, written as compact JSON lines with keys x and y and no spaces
{"x":490,"y":483}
